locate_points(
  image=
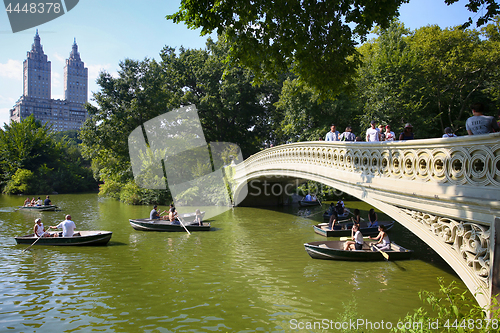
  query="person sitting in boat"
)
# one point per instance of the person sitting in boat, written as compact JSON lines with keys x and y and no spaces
{"x":172,"y":215}
{"x":33,"y":201}
{"x":39,"y":202}
{"x":67,"y":226}
{"x":372,"y":216}
{"x":356,"y":219}
{"x":357,"y":240}
{"x":333,"y":220}
{"x":308,"y":197}
{"x":383,"y":244}
{"x":27,"y":202}
{"x":39,"y":230}
{"x":153,"y":215}
{"x":198,"y":218}
{"x":331,"y":209}
{"x":340,"y":207}
{"x":47,"y":201}
{"x":314,"y":198}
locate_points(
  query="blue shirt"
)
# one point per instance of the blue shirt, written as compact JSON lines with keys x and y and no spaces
{"x":332,"y":136}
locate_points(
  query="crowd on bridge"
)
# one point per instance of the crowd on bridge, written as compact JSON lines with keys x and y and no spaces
{"x":477,"y":124}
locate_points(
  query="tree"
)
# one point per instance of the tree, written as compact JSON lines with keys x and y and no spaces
{"x":427,"y":77}
{"x":315,"y":39}
{"x":301,"y":115}
{"x":27,"y":145}
{"x":34,"y":161}
{"x":124,"y":103}
{"x":229,"y":107}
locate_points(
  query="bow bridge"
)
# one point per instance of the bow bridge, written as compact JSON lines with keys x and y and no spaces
{"x":445,"y":191}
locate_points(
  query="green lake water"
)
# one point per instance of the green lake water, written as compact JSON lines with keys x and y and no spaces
{"x":250,"y":274}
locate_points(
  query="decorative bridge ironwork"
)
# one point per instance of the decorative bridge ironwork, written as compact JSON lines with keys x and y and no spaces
{"x":446,"y":191}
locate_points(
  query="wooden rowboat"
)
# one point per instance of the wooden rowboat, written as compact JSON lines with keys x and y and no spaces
{"x":44,"y":208}
{"x":333,"y":250}
{"x":162,"y":225}
{"x":80,"y":238}
{"x":323,"y":229}
{"x":309,"y":203}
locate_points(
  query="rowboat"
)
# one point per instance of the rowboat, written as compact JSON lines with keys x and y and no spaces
{"x":162,"y":225}
{"x":309,"y":203}
{"x":80,"y":238}
{"x":327,"y":216}
{"x":345,"y":230}
{"x":44,"y":208}
{"x":333,"y":250}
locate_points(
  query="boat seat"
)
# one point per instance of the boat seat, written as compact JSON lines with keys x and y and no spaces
{"x":323,"y":246}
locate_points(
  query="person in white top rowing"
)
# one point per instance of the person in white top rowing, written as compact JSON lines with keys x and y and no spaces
{"x":384,"y":244}
{"x":67,"y":226}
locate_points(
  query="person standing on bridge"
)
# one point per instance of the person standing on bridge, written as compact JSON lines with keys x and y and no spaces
{"x":389,"y":135}
{"x":407,"y":133}
{"x":348,"y":135}
{"x":333,"y":135}
{"x":479,"y":123}
{"x":373,"y":134}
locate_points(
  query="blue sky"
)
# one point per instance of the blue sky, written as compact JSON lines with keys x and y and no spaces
{"x":109,"y":31}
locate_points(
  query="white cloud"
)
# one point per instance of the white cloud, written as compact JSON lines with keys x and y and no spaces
{"x":59,"y":57}
{"x":56,"y":80}
{"x":13,"y":69}
{"x":94,"y":71}
{"x":7,"y":100}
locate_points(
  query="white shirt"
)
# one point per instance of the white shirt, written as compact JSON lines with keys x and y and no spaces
{"x":372,"y":134}
{"x":39,"y":230}
{"x":68,"y":228}
{"x":389,"y":136}
{"x":358,"y":237}
{"x":452,"y":135}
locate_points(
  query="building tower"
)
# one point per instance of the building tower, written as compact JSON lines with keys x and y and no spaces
{"x":62,"y":114}
{"x":36,"y":72}
{"x":75,"y":78}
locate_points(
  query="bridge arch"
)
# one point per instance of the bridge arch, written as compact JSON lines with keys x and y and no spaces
{"x":445,"y":191}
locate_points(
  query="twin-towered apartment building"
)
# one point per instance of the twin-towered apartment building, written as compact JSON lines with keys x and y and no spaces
{"x":64,"y":114}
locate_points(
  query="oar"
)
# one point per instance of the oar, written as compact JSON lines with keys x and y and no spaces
{"x":180,"y":220}
{"x":386,"y":256}
{"x":343,"y":239}
{"x":29,"y":247}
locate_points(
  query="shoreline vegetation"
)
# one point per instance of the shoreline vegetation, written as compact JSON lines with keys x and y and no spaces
{"x":35,"y":159}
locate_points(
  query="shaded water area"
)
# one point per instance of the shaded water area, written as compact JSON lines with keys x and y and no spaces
{"x":250,"y":274}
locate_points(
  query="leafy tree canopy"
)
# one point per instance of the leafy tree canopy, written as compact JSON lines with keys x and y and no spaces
{"x":272,"y":36}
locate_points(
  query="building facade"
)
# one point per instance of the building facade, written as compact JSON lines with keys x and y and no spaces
{"x":63,"y":115}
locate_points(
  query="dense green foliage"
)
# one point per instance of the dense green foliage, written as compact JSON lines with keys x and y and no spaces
{"x":272,"y":36}
{"x":428,"y":77}
{"x":230,"y":109}
{"x":451,"y":312}
{"x":33,"y":161}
